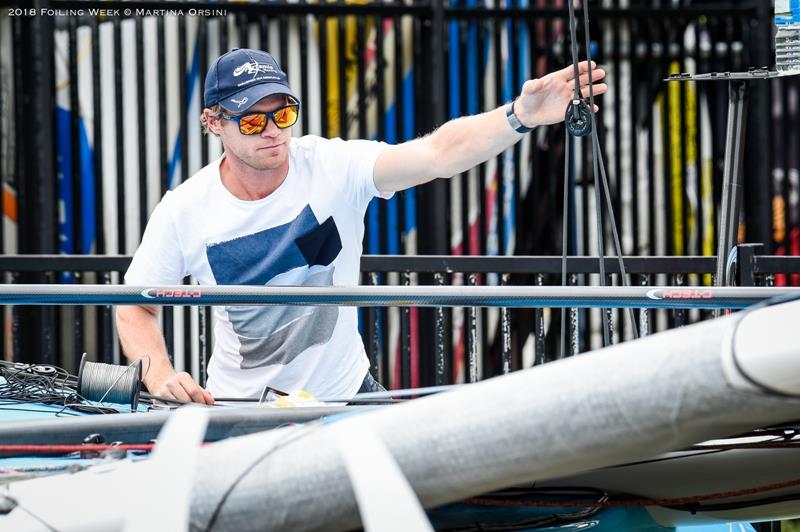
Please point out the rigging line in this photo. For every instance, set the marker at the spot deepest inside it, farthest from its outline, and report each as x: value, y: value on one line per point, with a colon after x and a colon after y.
x: 598, y: 155
x: 290, y: 438
x: 574, y: 115
x: 564, y: 241
x: 615, y: 233
x: 598, y: 209
x: 576, y: 97
x: 574, y: 37
x: 17, y: 504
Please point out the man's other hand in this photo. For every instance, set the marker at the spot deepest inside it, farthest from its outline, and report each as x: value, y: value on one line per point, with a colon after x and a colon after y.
x: 181, y: 386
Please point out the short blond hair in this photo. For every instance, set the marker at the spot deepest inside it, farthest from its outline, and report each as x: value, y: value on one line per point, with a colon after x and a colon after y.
x: 215, y: 109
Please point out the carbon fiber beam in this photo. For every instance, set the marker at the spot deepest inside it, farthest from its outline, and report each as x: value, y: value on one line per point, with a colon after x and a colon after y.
x: 399, y: 296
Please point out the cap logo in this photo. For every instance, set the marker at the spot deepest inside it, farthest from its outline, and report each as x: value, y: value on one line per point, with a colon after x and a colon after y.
x: 241, y: 102
x: 252, y: 67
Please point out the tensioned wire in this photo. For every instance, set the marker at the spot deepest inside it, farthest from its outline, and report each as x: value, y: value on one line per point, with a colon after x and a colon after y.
x: 599, y: 174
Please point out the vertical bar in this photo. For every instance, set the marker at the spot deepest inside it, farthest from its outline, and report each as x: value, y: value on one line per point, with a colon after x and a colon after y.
x: 36, y: 183
x: 16, y: 328
x: 341, y: 33
x: 436, y: 193
x: 652, y: 211
x: 745, y: 262
x: 49, y: 329
x: 283, y: 41
x: 374, y: 352
x: 644, y: 314
x: 122, y: 248
x: 405, y: 357
x: 759, y: 138
x: 163, y: 152
x: 472, y: 337
x: 499, y: 204
x: 142, y: 137
x: 75, y: 142
x: 241, y: 27
x: 633, y: 51
x: 439, y: 347
x: 205, y: 355
x: 100, y: 238
x: 398, y: 79
x: 574, y: 330
x: 539, y: 331
x: 224, y: 38
x: 680, y: 314
x: 669, y: 200
x: 168, y: 326
x: 78, y: 344
x: 71, y: 225
x: 683, y: 212
x: 518, y: 56
x: 263, y: 32
x: 505, y: 328
x: 421, y: 66
x: 187, y: 333
x: 615, y: 182
x: 202, y: 45
x: 106, y: 327
x: 323, y: 76
x: 183, y: 99
x: 380, y: 81
x: 732, y: 181
x: 203, y: 326
x: 361, y: 85
x: 610, y: 316
x: 304, y: 73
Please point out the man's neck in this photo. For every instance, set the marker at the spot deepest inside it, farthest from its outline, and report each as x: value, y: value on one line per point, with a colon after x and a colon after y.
x: 249, y: 184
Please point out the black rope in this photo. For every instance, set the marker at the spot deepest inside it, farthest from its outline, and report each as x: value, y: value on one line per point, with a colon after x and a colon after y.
x: 564, y: 228
x: 579, y: 122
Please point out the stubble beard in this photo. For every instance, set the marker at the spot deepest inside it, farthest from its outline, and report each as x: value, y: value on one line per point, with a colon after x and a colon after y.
x: 263, y: 163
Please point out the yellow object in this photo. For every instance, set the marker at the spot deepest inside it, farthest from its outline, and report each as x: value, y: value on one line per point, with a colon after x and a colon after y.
x: 295, y: 399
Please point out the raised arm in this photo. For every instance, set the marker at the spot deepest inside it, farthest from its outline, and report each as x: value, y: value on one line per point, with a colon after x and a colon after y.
x: 463, y: 143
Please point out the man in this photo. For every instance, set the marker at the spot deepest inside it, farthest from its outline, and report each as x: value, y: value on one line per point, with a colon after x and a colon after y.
x: 280, y: 210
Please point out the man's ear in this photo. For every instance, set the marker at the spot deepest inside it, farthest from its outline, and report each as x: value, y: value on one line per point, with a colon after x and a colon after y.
x: 214, y: 124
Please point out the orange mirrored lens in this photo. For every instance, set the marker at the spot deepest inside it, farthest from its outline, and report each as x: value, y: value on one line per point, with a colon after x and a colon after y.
x: 252, y: 124
x: 286, y: 117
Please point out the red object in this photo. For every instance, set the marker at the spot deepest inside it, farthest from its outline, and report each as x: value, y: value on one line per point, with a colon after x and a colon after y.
x: 66, y: 449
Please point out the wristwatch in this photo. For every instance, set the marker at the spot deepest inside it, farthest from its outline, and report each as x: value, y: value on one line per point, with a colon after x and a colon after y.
x: 514, y: 121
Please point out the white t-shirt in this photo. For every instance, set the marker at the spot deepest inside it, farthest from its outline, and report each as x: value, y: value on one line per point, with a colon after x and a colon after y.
x: 307, y: 232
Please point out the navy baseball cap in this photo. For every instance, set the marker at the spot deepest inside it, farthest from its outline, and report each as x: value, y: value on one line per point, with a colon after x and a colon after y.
x: 242, y: 77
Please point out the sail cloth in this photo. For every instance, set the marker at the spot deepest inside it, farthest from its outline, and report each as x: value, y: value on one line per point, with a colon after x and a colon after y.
x: 624, y: 403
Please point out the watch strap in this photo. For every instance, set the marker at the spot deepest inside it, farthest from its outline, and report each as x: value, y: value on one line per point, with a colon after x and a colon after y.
x: 514, y: 121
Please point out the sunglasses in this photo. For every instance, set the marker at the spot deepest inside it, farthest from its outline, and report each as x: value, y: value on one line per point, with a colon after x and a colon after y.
x: 255, y: 123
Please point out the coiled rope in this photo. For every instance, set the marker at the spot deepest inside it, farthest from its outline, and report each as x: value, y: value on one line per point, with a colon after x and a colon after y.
x: 110, y: 383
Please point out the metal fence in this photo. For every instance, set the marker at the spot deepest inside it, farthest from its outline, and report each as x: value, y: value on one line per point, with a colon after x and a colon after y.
x: 121, y: 93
